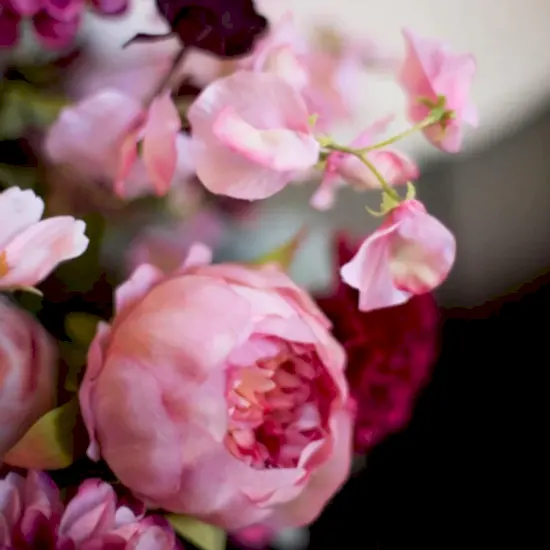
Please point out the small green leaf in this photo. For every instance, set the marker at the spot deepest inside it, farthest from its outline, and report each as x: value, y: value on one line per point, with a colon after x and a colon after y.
x: 284, y: 254
x: 81, y: 327
x: 202, y: 535
x: 48, y: 445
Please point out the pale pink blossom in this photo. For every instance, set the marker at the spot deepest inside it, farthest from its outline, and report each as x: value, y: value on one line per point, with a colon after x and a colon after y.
x: 341, y: 168
x: 32, y: 515
x: 252, y: 135
x: 28, y: 374
x: 411, y: 253
x: 100, y: 137
x: 219, y: 392
x: 30, y: 248
x: 430, y: 70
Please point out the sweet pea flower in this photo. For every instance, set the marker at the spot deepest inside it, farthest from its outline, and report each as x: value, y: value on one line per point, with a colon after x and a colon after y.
x: 55, y: 23
x: 219, y: 392
x: 32, y: 516
x: 28, y: 371
x: 100, y: 137
x: 252, y: 135
x: 30, y: 248
x: 395, y: 167
x: 430, y: 71
x: 411, y: 253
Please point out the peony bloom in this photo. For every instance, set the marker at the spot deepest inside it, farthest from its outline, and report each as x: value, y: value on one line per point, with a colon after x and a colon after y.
x: 431, y: 71
x: 411, y: 253
x: 30, y: 249
x: 252, y: 135
x: 390, y: 354
x: 219, y: 392
x: 340, y: 168
x: 226, y: 28
x: 55, y: 23
x: 32, y: 517
x: 100, y: 137
x: 28, y: 374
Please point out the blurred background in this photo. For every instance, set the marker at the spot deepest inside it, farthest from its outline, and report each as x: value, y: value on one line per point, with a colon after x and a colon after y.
x: 463, y: 474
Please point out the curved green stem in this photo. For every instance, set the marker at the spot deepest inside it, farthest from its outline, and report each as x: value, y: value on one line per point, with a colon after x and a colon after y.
x: 428, y: 121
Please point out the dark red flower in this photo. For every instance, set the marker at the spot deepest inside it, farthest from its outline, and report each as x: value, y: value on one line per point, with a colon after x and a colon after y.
x: 227, y: 28
x: 390, y: 354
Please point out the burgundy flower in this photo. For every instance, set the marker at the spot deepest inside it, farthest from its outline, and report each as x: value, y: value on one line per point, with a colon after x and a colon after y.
x: 55, y: 22
x: 390, y: 354
x: 226, y: 28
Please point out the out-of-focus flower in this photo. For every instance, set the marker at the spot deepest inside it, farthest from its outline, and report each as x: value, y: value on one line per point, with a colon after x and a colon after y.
x: 390, y: 353
x: 395, y: 167
x: 410, y: 253
x: 28, y: 374
x: 100, y: 137
x: 226, y: 379
x: 252, y: 135
x: 166, y: 247
x: 431, y: 71
x: 55, y: 23
x: 32, y: 517
x: 226, y: 28
x: 29, y: 248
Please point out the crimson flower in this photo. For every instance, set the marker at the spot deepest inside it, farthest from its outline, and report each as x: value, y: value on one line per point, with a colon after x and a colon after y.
x: 390, y: 354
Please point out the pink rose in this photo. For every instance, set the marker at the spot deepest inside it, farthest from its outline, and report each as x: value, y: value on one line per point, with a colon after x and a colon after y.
x: 28, y: 372
x: 341, y: 168
x: 219, y: 392
x: 99, y: 136
x: 411, y: 253
x: 431, y: 70
x: 30, y: 249
x: 252, y: 135
x: 32, y: 516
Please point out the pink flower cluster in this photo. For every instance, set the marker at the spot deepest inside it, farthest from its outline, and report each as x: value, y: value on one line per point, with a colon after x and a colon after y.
x: 32, y: 516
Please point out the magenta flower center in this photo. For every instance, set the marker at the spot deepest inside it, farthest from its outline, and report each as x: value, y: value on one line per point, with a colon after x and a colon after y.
x: 278, y: 406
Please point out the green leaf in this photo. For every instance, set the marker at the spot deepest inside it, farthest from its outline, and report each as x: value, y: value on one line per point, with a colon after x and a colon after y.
x: 81, y: 327
x: 283, y: 255
x: 202, y: 535
x: 49, y: 444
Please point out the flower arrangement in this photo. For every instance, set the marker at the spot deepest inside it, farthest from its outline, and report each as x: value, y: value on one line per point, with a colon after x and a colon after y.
x: 148, y: 394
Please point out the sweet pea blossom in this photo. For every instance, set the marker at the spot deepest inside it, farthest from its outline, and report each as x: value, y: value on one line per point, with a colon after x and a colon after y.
x: 100, y: 137
x: 411, y: 253
x: 28, y: 374
x: 32, y: 516
x: 252, y: 135
x: 430, y: 71
x: 395, y: 167
x: 219, y: 392
x: 31, y: 249
x: 55, y: 23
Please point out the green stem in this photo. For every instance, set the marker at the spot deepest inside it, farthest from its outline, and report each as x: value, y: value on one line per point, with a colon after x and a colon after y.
x: 428, y: 121
x: 358, y: 153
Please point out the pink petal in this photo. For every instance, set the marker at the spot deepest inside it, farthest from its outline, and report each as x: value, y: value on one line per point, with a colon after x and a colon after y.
x: 280, y: 149
x: 18, y: 210
x: 394, y: 166
x: 283, y: 62
x: 159, y: 142
x: 64, y: 10
x: 37, y: 251
x: 325, y: 195
x: 9, y: 28
x: 422, y: 252
x: 26, y: 8
x: 53, y: 33
x: 199, y: 254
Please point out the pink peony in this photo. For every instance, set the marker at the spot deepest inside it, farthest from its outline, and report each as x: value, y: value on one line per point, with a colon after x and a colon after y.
x: 28, y: 374
x: 100, y: 136
x: 430, y: 71
x: 219, y: 392
x: 29, y: 248
x: 395, y: 167
x: 252, y: 135
x: 32, y: 516
x: 411, y: 253
x: 55, y: 23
